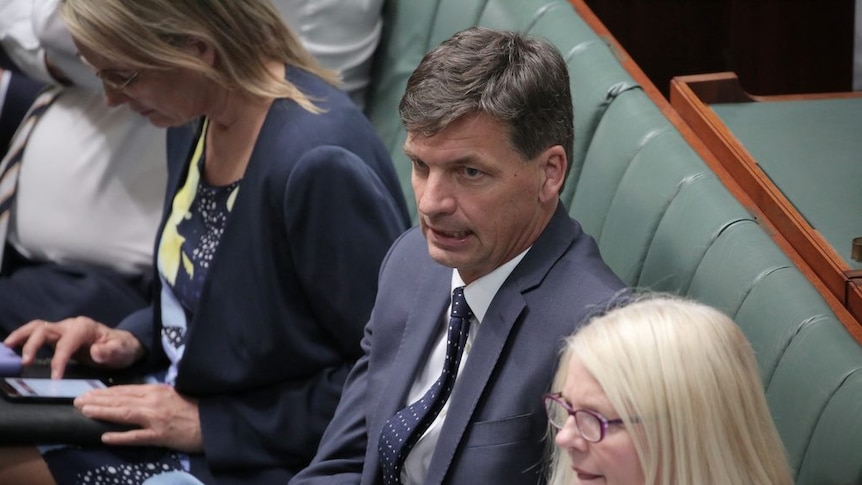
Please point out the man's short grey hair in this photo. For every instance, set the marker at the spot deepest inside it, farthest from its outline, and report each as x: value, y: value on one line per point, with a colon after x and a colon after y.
x: 517, y: 80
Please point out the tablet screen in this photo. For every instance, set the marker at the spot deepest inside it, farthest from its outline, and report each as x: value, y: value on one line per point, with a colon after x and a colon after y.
x: 51, y: 388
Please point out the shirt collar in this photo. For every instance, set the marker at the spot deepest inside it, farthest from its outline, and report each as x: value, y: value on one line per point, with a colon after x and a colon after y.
x: 480, y: 292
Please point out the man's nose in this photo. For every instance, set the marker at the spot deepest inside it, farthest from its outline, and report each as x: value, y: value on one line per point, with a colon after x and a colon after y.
x: 435, y: 194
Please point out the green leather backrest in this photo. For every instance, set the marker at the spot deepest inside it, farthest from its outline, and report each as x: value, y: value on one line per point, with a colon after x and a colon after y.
x: 595, y: 77
x: 749, y: 278
x: 815, y: 368
x: 739, y: 259
x: 637, y: 171
x: 694, y: 221
x: 664, y: 221
x: 628, y: 125
x: 832, y: 455
x: 771, y: 316
x: 411, y: 28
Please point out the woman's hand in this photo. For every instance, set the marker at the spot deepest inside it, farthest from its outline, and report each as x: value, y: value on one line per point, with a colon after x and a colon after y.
x: 163, y: 416
x: 84, y: 338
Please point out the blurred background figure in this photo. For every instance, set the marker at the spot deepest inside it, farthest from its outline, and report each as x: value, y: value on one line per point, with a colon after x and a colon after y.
x: 341, y: 34
x: 662, y: 391
x: 90, y: 186
x: 92, y: 179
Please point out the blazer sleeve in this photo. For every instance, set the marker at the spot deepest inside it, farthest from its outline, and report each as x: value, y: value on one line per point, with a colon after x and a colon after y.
x: 341, y: 456
x: 270, y: 427
x: 340, y: 221
x: 142, y: 325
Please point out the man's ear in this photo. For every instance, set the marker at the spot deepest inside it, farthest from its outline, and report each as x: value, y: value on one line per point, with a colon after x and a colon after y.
x: 553, y: 164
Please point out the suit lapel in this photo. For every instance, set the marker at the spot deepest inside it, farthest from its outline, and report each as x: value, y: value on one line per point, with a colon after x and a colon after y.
x: 420, y: 331
x: 505, y: 309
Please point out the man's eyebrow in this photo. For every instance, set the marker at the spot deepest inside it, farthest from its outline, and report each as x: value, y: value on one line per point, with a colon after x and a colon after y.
x: 469, y: 159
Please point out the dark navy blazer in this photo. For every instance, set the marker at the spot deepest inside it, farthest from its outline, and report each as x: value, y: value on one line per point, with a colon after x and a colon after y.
x: 496, y: 423
x: 290, y: 288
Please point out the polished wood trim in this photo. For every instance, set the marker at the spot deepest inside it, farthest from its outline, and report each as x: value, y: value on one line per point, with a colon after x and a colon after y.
x: 721, y: 87
x: 725, y: 87
x: 854, y: 302
x: 752, y: 203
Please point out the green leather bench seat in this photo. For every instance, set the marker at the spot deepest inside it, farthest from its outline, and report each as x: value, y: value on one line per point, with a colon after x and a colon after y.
x: 629, y: 177
x: 771, y: 317
x: 817, y: 366
x: 664, y: 221
x: 811, y: 150
x: 832, y: 454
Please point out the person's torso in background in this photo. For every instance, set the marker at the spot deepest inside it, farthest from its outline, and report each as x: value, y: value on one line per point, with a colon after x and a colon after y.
x: 341, y: 34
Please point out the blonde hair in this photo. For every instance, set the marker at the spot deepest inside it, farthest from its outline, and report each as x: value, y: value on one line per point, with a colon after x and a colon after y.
x: 684, y: 379
x: 153, y: 34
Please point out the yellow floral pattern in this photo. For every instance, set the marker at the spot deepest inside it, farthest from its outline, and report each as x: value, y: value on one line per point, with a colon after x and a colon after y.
x: 170, y: 246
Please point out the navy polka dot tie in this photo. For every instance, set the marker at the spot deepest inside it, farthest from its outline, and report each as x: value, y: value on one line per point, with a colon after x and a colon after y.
x: 403, y: 430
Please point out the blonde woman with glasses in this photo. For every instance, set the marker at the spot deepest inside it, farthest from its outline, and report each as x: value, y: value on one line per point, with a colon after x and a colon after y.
x: 662, y: 391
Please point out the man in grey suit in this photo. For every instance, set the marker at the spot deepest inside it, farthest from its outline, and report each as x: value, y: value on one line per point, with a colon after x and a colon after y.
x: 490, y: 132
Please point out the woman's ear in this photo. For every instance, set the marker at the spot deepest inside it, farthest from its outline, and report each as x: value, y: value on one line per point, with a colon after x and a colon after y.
x: 201, y: 49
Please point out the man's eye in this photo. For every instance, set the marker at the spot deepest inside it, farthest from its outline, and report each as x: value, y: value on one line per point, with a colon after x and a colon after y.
x: 472, y: 172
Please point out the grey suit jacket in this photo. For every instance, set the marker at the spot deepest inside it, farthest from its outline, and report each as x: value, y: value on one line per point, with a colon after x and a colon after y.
x: 495, y: 428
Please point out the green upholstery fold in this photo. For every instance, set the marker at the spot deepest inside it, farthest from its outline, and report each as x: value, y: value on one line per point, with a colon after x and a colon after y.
x: 816, y: 365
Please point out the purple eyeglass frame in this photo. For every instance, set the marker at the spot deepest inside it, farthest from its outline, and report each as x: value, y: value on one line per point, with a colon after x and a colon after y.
x: 558, y: 398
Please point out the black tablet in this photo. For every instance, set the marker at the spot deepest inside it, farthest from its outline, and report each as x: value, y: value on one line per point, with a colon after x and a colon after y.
x: 31, y: 389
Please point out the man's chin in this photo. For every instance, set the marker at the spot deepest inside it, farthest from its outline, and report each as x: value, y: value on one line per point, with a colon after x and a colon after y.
x: 442, y: 256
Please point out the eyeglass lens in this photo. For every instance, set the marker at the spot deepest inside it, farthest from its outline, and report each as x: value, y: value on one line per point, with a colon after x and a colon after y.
x: 557, y: 414
x: 115, y: 79
x: 589, y: 426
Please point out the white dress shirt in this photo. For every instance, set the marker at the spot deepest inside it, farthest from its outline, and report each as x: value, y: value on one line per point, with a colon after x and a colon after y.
x: 479, y: 295
x: 92, y: 178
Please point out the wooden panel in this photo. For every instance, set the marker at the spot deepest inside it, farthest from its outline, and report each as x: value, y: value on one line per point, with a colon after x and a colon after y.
x: 670, y: 37
x: 775, y: 46
x: 854, y: 303
x: 798, y: 46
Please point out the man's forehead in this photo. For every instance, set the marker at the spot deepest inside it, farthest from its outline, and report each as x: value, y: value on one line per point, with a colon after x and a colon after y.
x: 471, y: 128
x: 439, y: 147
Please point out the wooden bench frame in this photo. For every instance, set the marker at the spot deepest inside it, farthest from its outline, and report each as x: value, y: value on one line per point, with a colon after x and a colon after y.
x: 691, y: 97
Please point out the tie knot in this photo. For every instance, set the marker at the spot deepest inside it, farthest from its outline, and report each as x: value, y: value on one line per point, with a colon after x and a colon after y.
x: 460, y: 308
